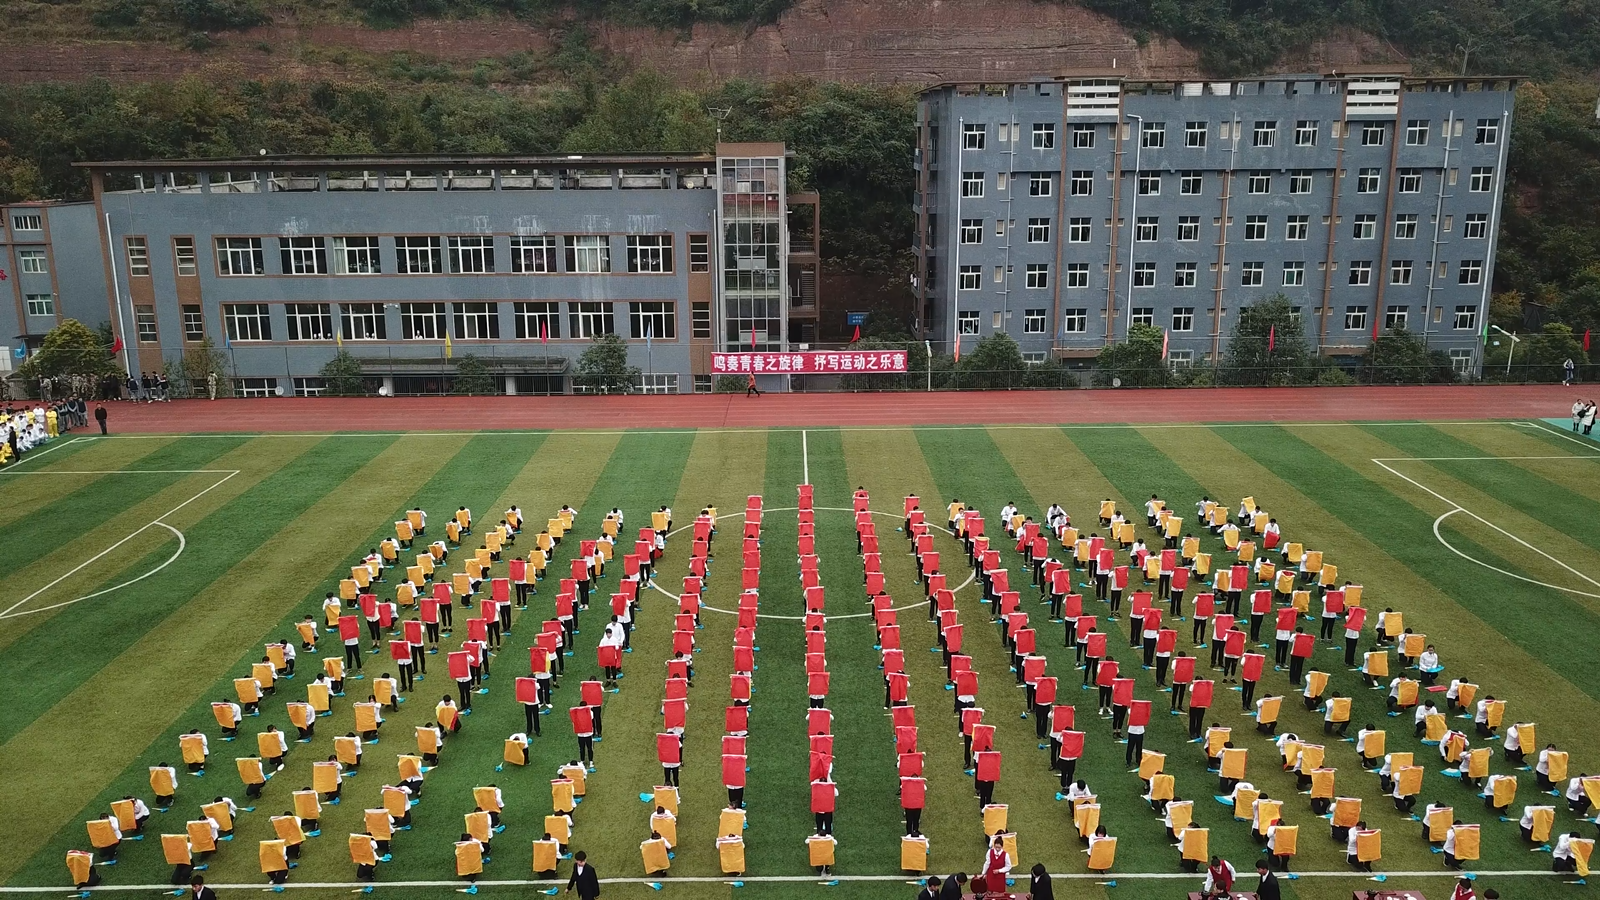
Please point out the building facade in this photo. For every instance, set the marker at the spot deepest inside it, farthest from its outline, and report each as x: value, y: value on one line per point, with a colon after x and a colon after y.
x: 412, y: 263
x: 1063, y: 210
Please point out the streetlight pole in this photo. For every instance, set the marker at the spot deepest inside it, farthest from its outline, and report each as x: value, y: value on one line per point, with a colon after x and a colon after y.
x: 1133, y: 212
x: 1513, y: 351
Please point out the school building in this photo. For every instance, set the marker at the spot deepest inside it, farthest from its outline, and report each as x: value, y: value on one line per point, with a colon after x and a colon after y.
x: 412, y: 262
x: 1062, y: 210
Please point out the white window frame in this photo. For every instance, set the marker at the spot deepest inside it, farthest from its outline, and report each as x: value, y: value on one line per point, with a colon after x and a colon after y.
x: 1149, y: 184
x: 967, y: 322
x: 535, y: 254
x: 1080, y: 230
x: 1369, y: 180
x: 1294, y: 274
x: 186, y: 262
x: 969, y: 278
x: 1365, y: 227
x: 1255, y: 228
x: 1082, y: 183
x: 1075, y: 320
x: 974, y: 135
x: 363, y: 322
x: 357, y: 255
x: 1355, y: 318
x: 239, y: 258
x: 1252, y: 274
x: 1037, y: 276
x: 476, y: 321
x: 36, y: 262
x: 302, y: 256
x: 258, y: 387
x: 1301, y: 181
x: 419, y: 255
x: 39, y: 304
x: 1044, y: 135
x: 1405, y: 226
x: 588, y: 254
x: 1259, y: 183
x: 1188, y: 228
x: 661, y: 315
x: 1194, y: 134
x: 1296, y: 228
x: 1475, y: 226
x: 1039, y: 184
x: 1185, y: 274
x: 1077, y: 275
x: 972, y: 185
x: 1144, y: 274
x: 1147, y: 229
x: 1142, y: 315
x: 1191, y: 183
x: 1182, y: 318
x: 650, y: 254
x: 1265, y: 133
x: 1083, y: 137
x: 1469, y: 271
x: 247, y: 322
x: 471, y: 254
x: 1039, y: 231
x: 27, y: 222
x: 971, y: 232
x: 1396, y: 316
x: 590, y: 319
x: 1400, y: 271
x: 1487, y: 133
x: 1360, y: 273
x: 1408, y: 181
x: 529, y: 314
x: 1035, y: 320
x: 1373, y: 134
x: 1153, y: 135
x: 308, y: 321
x: 1482, y: 180
x: 1417, y: 132
x: 1466, y: 318
x: 423, y: 322
x: 1305, y: 132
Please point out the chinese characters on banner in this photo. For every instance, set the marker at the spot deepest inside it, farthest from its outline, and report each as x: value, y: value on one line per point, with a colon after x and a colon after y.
x: 818, y: 362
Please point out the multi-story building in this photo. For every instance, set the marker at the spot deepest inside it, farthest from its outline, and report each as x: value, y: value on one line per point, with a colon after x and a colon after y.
x: 411, y: 263
x: 1063, y: 210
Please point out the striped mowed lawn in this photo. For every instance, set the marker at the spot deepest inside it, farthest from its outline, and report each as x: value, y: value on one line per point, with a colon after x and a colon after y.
x: 98, y: 691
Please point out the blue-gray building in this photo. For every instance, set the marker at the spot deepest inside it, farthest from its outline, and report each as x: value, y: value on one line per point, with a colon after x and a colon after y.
x: 411, y: 263
x: 1061, y: 210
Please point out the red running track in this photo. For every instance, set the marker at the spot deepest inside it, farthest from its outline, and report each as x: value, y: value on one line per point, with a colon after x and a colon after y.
x: 1322, y: 404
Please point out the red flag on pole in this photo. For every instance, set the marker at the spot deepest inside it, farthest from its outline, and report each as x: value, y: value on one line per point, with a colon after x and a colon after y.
x: 1272, y: 337
x: 544, y: 332
x: 958, y: 349
x: 1586, y: 340
x: 752, y: 337
x: 116, y: 345
x: 1375, y: 326
x: 1165, y: 337
x: 857, y: 336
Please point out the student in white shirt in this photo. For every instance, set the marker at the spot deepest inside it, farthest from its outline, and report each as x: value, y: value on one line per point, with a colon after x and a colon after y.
x: 1561, y: 856
x: 1577, y: 797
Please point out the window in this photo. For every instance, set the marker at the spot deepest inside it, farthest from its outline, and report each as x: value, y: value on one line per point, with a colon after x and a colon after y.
x: 542, y: 321
x: 1183, y: 275
x: 588, y: 254
x: 418, y: 256
x: 362, y: 322
x: 1082, y: 183
x: 1408, y: 181
x: 235, y: 256
x: 1266, y: 133
x: 1150, y: 184
x: 656, y: 319
x: 1033, y: 320
x: 1194, y: 135
x: 1488, y: 132
x: 1188, y: 228
x: 1355, y: 318
x: 1449, y: 223
x: 258, y: 387
x: 1366, y: 227
x: 1367, y: 181
x: 1417, y: 133
x: 972, y: 136
x: 656, y: 383
x: 27, y: 222
x: 194, y: 322
x: 183, y: 256
x: 303, y: 256
x: 970, y: 278
x: 1180, y: 359
x: 477, y: 321
x: 1482, y: 179
x: 1260, y: 183
x: 700, y: 320
x: 1077, y: 275
x: 971, y: 231
x: 1255, y: 228
x: 1405, y: 226
x: 1183, y: 318
x: 1078, y: 230
x: 967, y: 321
x: 1400, y: 271
x: 1300, y: 182
x: 1253, y: 274
x: 536, y: 255
x: 309, y: 387
x: 1361, y: 272
x: 972, y: 184
x: 1395, y: 316
x: 247, y: 321
x: 1305, y: 133
x: 144, y: 323
x: 1083, y: 137
x: 591, y: 319
x: 702, y: 384
x: 699, y: 253
x: 1466, y: 318
x: 40, y: 304
x: 1144, y: 274
x: 1476, y: 226
x: 1372, y: 134
x: 1075, y: 320
x: 33, y: 261
x: 1148, y: 228
x: 1190, y: 183
x: 1296, y: 227
x: 1294, y: 274
x: 1044, y: 136
x: 1461, y: 359
x: 422, y: 321
x: 1038, y: 275
x: 356, y: 256
x: 1153, y: 135
x: 472, y: 255
x: 1470, y: 272
x: 1038, y: 231
x: 309, y: 321
x: 1142, y: 315
x: 1039, y: 184
x: 651, y: 253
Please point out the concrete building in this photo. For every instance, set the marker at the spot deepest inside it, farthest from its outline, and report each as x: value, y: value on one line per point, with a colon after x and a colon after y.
x: 1061, y: 210
x: 411, y: 263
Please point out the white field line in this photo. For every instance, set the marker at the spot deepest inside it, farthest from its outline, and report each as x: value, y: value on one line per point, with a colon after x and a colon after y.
x: 10, y: 612
x: 33, y: 456
x: 1458, y: 508
x: 1545, y: 426
x: 740, y: 515
x: 805, y: 459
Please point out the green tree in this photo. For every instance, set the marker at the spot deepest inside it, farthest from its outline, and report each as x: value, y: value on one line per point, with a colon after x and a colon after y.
x: 1135, y: 362
x: 1548, y: 352
x: 603, y: 368
x: 473, y: 377
x: 70, y: 349
x: 1400, y: 357
x: 1269, y: 346
x: 341, y: 376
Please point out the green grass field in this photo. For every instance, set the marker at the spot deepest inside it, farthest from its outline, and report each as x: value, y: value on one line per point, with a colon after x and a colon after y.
x: 97, y: 691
